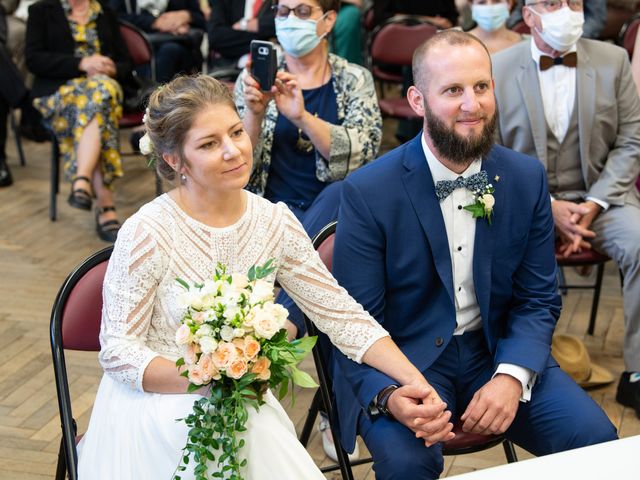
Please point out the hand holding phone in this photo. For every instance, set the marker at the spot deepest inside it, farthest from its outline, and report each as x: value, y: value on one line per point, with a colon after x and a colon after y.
x: 263, y: 64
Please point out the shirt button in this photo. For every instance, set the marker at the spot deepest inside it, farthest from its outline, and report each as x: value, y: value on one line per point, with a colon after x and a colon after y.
x: 439, y: 341
x: 459, y: 289
x: 459, y: 207
x: 459, y: 248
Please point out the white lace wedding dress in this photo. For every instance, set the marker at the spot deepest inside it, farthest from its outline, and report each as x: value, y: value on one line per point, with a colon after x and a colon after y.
x: 133, y: 434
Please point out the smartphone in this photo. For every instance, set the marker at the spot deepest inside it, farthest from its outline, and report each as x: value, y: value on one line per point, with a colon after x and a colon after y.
x: 263, y: 63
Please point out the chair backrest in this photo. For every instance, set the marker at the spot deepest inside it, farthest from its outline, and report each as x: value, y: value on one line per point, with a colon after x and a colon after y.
x: 521, y: 28
x: 323, y: 243
x: 628, y: 33
x: 75, y: 325
x: 402, y: 30
x: 138, y: 45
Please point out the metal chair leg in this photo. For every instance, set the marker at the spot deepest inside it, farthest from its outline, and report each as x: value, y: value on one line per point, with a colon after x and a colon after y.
x: 562, y: 281
x: 16, y: 137
x: 314, y: 408
x: 596, y: 297
x: 55, y: 178
x: 509, y: 451
x: 61, y: 469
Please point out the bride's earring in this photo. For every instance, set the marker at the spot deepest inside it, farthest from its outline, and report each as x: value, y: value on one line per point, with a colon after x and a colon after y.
x: 183, y: 178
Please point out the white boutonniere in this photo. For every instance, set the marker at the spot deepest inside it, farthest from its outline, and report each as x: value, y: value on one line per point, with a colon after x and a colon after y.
x: 484, y: 202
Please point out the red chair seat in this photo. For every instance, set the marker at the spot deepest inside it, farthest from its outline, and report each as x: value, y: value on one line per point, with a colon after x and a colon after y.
x: 130, y: 120
x: 467, y: 441
x: 397, y: 108
x: 585, y: 257
x: 386, y: 76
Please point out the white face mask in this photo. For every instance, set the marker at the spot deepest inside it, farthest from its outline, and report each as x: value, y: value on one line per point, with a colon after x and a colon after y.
x: 560, y: 29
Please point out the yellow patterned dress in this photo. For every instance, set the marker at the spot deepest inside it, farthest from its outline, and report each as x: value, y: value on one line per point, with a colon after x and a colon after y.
x: 69, y: 110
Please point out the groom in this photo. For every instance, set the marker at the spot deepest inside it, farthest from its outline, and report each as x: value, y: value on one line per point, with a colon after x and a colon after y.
x: 448, y: 242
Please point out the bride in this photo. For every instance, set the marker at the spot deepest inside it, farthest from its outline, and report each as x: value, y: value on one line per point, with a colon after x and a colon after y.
x: 199, y: 141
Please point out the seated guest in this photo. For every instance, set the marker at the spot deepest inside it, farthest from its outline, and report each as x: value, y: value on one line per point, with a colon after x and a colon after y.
x: 16, y: 19
x: 75, y: 51
x: 13, y: 94
x: 595, y: 16
x: 572, y: 103
x: 11, y: 88
x: 175, y: 29
x: 320, y: 121
x: 232, y: 26
x: 441, y: 13
x: 347, y: 32
x: 468, y: 294
x: 490, y: 17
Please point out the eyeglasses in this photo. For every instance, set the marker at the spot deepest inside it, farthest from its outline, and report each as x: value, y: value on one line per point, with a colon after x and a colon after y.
x: 301, y: 11
x: 553, y: 5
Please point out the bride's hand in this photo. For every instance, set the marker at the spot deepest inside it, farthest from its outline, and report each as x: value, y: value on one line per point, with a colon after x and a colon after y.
x: 437, y: 428
x: 292, y: 330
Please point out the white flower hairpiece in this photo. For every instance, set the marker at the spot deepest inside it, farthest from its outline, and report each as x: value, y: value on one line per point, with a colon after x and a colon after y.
x: 145, y: 144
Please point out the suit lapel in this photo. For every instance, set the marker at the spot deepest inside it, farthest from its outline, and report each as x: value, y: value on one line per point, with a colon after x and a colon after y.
x: 418, y: 184
x: 484, y: 239
x: 586, y: 101
x: 529, y: 85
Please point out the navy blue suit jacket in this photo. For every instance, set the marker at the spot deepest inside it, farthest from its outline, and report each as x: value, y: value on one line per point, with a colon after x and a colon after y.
x: 392, y: 255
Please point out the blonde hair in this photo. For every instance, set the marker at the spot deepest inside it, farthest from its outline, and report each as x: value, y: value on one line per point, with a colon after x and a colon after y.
x: 171, y: 111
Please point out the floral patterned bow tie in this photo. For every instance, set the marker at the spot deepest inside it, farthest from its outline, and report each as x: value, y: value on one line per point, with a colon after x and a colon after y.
x: 476, y: 182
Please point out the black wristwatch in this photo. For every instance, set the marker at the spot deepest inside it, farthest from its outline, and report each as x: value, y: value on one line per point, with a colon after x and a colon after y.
x: 379, y: 404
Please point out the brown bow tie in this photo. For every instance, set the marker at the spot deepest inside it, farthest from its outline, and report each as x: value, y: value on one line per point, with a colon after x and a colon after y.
x: 569, y: 60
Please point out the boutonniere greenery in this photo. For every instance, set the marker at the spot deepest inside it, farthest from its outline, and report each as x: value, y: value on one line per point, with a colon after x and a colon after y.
x: 482, y: 207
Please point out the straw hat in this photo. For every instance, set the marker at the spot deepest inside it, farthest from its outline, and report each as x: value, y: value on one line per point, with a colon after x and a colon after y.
x: 572, y: 356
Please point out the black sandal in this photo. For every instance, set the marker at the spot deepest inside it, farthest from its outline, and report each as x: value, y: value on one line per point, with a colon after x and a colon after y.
x: 107, y: 231
x: 79, y: 197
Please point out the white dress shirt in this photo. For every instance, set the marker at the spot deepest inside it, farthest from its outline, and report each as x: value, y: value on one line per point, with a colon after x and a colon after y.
x: 248, y: 9
x: 558, y: 92
x: 461, y: 230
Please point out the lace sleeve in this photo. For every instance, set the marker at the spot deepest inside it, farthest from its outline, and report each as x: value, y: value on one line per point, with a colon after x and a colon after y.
x: 129, y: 294
x: 306, y: 279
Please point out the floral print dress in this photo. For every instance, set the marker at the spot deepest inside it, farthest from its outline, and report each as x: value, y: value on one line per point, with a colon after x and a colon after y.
x: 76, y: 103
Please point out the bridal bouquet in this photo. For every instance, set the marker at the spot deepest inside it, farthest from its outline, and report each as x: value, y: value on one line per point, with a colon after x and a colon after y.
x: 233, y: 340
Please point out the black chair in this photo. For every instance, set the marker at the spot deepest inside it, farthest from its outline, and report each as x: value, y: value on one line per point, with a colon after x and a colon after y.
x: 75, y: 325
x: 586, y: 258
x: 386, y: 60
x: 323, y: 399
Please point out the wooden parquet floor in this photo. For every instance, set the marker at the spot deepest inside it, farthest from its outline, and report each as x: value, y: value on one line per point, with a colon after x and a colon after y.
x: 35, y: 257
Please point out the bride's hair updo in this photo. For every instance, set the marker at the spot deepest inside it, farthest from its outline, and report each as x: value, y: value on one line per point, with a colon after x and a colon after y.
x: 171, y: 111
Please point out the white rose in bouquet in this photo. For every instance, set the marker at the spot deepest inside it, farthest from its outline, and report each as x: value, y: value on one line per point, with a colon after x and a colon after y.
x: 208, y: 344
x: 261, y: 292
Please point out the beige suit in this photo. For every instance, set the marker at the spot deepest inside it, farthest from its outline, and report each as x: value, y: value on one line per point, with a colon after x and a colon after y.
x: 609, y: 146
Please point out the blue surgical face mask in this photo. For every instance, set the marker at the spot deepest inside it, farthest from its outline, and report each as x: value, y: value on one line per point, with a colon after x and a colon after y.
x: 297, y: 37
x: 490, y: 17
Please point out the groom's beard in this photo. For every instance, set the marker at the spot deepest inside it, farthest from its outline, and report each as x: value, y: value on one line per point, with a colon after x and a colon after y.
x: 453, y: 146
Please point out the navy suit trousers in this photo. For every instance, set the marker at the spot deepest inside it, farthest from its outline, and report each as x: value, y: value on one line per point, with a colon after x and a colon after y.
x: 560, y: 415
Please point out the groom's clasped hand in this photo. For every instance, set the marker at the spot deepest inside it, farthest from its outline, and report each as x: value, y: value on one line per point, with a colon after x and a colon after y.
x: 420, y: 408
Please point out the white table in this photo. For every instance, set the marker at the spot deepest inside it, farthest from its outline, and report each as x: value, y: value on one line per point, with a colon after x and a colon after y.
x: 615, y: 460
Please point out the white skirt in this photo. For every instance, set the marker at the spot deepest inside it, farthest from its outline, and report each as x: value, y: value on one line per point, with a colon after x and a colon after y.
x: 134, y: 435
